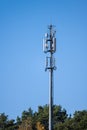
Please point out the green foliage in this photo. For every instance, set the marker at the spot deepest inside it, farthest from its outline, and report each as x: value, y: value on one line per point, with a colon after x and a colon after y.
x: 39, y: 120
x: 26, y: 114
x: 43, y: 115
x: 80, y: 120
x: 3, y: 121
x: 6, y: 124
x: 18, y: 120
x: 59, y: 114
x: 77, y: 122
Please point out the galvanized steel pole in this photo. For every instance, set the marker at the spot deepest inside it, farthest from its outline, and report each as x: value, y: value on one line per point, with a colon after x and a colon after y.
x: 49, y: 45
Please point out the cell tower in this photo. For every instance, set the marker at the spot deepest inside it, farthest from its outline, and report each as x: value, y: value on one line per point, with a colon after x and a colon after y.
x: 49, y: 47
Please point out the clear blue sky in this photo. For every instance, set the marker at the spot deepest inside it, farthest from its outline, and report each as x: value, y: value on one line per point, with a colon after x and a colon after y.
x: 23, y: 81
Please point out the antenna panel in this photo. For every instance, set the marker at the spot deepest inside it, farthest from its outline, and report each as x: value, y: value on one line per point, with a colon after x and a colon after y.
x: 54, y: 45
x: 45, y: 45
x: 46, y: 35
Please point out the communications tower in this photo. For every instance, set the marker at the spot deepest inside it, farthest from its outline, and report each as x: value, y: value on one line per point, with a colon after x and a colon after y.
x: 49, y: 47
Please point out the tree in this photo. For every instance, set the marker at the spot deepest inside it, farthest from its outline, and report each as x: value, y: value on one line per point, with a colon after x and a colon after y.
x: 25, y: 122
x: 40, y: 120
x: 39, y: 126
x: 80, y: 120
x: 59, y: 114
x: 3, y: 121
x: 6, y: 124
x: 77, y: 122
x: 43, y: 115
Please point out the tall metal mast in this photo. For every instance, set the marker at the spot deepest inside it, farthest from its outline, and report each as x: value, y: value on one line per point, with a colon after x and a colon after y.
x: 49, y: 47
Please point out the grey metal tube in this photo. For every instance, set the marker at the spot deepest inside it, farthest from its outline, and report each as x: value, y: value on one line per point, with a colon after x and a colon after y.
x: 51, y: 99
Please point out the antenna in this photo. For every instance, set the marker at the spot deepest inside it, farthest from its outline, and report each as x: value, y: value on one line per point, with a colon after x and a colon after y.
x: 49, y: 47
